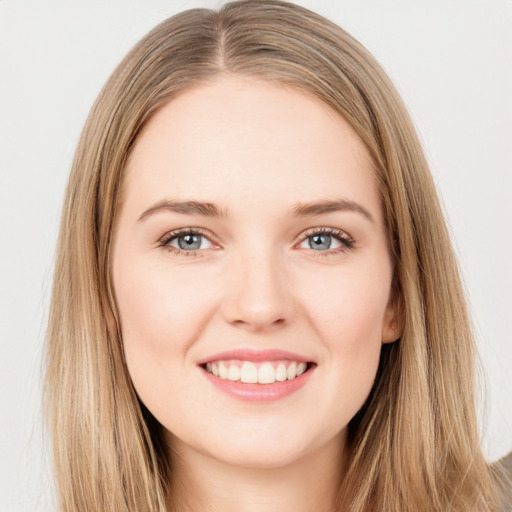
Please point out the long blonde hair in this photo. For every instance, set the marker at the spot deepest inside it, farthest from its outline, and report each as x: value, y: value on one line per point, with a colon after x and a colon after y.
x: 414, y: 445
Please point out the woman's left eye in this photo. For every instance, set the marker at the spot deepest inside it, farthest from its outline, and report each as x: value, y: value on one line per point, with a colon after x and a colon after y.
x: 327, y: 240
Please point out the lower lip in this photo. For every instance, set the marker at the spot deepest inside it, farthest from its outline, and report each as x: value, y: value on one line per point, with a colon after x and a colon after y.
x: 259, y: 392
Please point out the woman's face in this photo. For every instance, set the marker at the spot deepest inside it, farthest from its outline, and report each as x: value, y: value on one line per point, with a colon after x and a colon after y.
x: 251, y: 240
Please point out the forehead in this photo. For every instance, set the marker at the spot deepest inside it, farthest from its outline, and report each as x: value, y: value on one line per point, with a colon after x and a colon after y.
x: 238, y: 140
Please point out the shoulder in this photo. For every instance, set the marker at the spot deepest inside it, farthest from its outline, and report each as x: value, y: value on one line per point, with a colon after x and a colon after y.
x: 504, y: 467
x: 506, y: 463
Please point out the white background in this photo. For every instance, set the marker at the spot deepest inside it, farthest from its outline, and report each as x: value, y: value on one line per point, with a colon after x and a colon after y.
x: 450, y: 59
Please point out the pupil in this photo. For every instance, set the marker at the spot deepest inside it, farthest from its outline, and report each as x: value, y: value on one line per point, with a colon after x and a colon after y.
x: 320, y: 241
x: 189, y: 242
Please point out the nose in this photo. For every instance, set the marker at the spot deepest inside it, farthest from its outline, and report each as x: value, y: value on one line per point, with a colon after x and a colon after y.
x: 259, y: 297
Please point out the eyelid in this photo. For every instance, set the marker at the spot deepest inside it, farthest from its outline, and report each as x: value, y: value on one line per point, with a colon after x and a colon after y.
x: 339, y: 234
x: 323, y: 229
x: 170, y: 235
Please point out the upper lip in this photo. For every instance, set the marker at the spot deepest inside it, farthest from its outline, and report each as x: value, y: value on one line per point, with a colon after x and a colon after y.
x: 247, y: 354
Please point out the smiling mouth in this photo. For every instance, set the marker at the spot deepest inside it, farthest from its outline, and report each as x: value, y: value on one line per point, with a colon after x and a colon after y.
x: 264, y: 372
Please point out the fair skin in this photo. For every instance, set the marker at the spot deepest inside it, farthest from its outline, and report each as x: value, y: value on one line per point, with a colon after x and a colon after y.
x: 257, y: 278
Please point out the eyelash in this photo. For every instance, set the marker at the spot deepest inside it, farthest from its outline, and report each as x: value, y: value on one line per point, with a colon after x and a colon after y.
x: 346, y: 241
x: 164, y: 241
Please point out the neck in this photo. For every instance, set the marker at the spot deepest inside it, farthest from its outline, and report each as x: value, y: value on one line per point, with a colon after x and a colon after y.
x: 201, y: 483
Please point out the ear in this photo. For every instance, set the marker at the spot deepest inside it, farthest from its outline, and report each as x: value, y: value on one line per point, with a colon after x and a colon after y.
x: 111, y: 319
x: 110, y: 313
x: 393, y: 322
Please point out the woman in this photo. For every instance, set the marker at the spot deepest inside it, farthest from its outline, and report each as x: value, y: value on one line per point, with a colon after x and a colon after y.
x: 256, y: 305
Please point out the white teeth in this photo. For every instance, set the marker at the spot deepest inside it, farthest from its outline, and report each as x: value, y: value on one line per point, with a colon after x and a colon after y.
x: 281, y: 373
x: 263, y: 373
x: 291, y: 373
x: 223, y: 371
x: 266, y: 374
x: 249, y: 373
x: 234, y: 372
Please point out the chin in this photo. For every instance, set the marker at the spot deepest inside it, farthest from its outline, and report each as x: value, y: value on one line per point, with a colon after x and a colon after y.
x: 258, y: 456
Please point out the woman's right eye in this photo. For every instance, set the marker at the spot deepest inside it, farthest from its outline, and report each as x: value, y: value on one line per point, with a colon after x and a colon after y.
x: 186, y: 242
x: 190, y: 242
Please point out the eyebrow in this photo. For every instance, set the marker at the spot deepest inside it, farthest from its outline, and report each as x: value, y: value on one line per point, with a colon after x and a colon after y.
x: 300, y: 209
x: 185, y: 208
x: 330, y: 206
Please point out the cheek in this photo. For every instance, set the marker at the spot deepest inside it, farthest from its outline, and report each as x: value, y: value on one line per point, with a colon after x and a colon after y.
x: 349, y: 306
x: 348, y: 314
x: 161, y: 314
